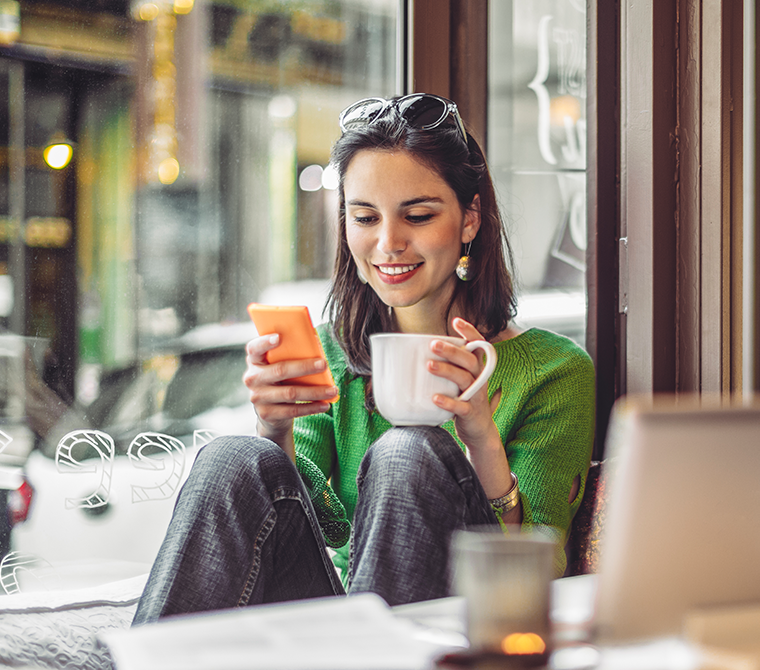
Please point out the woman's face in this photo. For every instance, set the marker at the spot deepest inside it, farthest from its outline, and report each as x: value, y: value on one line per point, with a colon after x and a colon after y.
x: 405, y: 229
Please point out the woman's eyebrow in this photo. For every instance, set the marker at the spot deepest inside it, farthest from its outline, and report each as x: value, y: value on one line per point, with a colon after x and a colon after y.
x: 405, y: 203
x: 421, y: 199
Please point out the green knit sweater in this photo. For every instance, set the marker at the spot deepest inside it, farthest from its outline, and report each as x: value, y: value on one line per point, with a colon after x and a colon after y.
x: 545, y: 417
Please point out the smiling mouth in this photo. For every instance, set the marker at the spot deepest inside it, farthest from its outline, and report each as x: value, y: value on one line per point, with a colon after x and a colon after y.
x: 396, y: 270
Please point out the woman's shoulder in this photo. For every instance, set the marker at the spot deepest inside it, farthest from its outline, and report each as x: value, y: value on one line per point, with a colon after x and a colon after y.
x: 546, y: 350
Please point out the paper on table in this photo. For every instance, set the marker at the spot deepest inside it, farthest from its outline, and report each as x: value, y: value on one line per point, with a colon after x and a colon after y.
x: 341, y: 633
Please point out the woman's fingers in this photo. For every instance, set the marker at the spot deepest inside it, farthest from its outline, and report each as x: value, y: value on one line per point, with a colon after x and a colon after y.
x: 276, y: 401
x: 460, y: 365
x: 257, y: 348
x: 474, y: 420
x: 276, y: 413
x: 290, y: 393
x: 283, y: 371
x: 460, y: 372
x: 260, y: 371
x: 466, y: 329
x: 461, y: 408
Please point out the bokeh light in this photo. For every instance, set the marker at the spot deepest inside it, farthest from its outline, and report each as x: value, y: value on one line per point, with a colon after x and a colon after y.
x: 168, y: 171
x: 58, y: 155
x: 330, y: 178
x: 147, y: 11
x: 282, y: 107
x: 310, y: 178
x: 183, y: 6
x: 522, y: 644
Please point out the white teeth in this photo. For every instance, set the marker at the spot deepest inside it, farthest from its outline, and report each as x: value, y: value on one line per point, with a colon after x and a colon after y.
x: 398, y: 270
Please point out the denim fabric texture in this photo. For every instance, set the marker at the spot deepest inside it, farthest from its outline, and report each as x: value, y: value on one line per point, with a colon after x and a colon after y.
x: 244, y: 530
x: 416, y: 487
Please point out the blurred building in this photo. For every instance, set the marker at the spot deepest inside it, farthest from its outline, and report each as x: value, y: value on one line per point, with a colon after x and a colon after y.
x: 190, y: 123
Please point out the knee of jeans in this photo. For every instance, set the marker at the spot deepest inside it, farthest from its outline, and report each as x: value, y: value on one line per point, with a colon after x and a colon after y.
x: 409, y: 450
x: 229, y: 456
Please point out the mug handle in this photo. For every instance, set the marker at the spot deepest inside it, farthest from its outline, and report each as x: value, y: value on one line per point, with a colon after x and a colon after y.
x: 485, y: 373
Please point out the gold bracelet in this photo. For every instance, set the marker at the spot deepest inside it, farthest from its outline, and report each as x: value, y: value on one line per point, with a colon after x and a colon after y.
x: 509, y: 500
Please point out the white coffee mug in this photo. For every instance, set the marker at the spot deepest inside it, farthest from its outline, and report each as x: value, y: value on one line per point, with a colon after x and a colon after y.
x: 402, y: 385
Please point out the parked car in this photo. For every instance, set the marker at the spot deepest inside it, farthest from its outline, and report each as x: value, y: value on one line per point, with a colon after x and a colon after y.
x: 20, y: 357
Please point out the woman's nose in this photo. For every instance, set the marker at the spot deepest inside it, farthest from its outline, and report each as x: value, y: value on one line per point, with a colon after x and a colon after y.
x: 391, y: 238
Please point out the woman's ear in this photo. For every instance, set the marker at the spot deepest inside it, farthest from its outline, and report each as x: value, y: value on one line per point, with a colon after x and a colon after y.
x: 471, y: 221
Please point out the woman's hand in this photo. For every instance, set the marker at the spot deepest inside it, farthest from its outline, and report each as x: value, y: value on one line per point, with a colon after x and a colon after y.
x: 473, y: 418
x: 276, y: 402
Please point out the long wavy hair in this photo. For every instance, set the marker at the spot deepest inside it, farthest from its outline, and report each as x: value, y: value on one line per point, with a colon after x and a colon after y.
x: 487, y: 300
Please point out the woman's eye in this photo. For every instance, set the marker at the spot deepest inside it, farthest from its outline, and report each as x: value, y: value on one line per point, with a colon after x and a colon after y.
x: 419, y: 218
x: 364, y: 220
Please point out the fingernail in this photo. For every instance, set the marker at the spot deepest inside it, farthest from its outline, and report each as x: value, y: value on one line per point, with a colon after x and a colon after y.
x: 320, y: 364
x: 274, y: 339
x: 332, y: 391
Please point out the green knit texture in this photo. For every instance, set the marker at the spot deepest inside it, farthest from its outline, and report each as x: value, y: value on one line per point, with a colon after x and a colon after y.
x: 545, y: 417
x: 331, y: 514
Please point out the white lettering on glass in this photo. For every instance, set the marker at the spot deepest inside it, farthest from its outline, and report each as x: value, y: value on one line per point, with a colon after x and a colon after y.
x: 13, y: 564
x: 70, y: 450
x: 202, y: 437
x: 145, y: 454
x: 538, y: 86
x: 5, y: 440
x: 155, y: 452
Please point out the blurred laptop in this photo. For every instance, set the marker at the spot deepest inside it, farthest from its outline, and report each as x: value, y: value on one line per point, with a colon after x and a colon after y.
x: 682, y: 531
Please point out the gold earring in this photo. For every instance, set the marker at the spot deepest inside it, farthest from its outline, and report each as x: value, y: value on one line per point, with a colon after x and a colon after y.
x: 463, y: 267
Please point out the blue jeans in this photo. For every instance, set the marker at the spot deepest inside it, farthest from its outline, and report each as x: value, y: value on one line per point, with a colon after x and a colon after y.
x: 244, y: 530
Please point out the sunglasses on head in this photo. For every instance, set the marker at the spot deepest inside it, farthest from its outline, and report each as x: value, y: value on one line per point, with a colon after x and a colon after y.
x: 423, y: 111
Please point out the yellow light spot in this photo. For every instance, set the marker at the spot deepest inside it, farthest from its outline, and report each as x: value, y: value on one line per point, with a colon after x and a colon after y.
x: 562, y: 106
x: 148, y: 11
x: 168, y: 171
x: 523, y: 643
x: 57, y: 156
x: 183, y: 6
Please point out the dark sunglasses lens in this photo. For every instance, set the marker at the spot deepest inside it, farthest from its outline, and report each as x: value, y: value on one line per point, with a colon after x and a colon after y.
x: 361, y: 113
x: 422, y: 111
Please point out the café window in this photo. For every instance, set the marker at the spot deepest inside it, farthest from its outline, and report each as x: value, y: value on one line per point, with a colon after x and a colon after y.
x: 197, y: 182
x: 537, y: 153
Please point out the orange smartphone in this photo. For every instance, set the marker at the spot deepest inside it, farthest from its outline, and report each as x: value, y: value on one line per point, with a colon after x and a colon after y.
x: 298, y: 338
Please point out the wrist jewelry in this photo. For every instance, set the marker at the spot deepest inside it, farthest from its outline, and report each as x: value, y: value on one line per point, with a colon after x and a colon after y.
x: 509, y: 500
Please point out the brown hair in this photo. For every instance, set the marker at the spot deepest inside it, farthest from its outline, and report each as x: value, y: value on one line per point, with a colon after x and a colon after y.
x: 354, y: 309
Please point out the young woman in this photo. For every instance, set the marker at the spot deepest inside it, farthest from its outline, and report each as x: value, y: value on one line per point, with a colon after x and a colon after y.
x: 253, y: 522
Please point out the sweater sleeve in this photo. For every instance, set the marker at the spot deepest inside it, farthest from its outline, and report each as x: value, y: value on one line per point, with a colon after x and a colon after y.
x: 552, y: 437
x: 315, y: 456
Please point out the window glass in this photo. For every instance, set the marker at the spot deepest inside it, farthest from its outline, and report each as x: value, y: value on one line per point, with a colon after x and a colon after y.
x: 537, y: 151
x: 201, y: 134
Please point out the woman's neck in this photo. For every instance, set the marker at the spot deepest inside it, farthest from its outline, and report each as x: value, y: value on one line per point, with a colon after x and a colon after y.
x: 431, y: 322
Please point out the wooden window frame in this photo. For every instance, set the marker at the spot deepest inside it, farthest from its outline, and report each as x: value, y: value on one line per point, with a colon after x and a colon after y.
x: 447, y: 54
x: 681, y: 195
